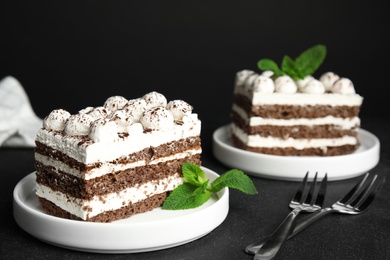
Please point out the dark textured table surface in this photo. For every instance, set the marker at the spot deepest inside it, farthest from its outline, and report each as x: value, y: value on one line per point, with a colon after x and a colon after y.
x: 336, y: 236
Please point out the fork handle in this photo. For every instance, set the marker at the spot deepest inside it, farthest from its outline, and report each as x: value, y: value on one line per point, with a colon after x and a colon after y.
x: 300, y: 224
x: 307, y: 220
x: 275, y: 241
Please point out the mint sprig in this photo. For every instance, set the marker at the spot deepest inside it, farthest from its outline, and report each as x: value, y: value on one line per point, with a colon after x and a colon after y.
x: 196, y: 190
x: 304, y: 65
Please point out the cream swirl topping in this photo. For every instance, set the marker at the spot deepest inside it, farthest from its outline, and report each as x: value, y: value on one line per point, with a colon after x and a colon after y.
x: 78, y: 124
x: 343, y: 86
x: 155, y: 99
x: 98, y: 113
x: 151, y: 112
x: 314, y: 86
x: 114, y: 103
x: 328, y: 79
x: 242, y: 75
x: 285, y: 84
x: 179, y: 108
x: 263, y: 84
x: 56, y: 120
x: 103, y: 130
x: 123, y: 120
x: 157, y: 118
x: 135, y: 108
x: 329, y: 82
x: 301, y: 83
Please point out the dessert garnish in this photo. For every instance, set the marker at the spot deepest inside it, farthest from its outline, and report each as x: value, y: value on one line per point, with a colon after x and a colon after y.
x: 304, y: 65
x: 197, y: 189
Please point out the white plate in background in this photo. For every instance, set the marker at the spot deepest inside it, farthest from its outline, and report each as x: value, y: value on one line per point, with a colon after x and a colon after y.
x: 294, y: 168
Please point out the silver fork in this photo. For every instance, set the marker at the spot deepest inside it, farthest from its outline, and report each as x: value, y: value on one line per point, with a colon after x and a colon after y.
x: 303, y: 201
x: 356, y: 201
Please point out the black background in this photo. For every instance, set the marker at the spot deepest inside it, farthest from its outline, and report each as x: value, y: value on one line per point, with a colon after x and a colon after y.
x: 73, y: 54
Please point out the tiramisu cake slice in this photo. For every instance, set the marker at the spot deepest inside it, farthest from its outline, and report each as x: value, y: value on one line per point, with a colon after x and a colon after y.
x: 107, y: 163
x: 279, y: 114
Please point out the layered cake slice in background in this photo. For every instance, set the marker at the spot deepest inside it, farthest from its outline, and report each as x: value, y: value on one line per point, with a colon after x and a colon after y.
x: 287, y: 111
x: 110, y: 162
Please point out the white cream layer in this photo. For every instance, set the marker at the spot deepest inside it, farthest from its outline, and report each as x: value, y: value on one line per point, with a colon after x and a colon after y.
x: 108, y: 151
x: 112, y: 201
x: 342, y: 123
x: 299, y: 144
x: 331, y: 99
x: 108, y: 167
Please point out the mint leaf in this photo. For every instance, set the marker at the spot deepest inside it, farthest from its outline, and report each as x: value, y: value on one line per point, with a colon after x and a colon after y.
x: 235, y: 179
x: 193, y: 174
x: 289, y: 66
x: 187, y: 196
x: 195, y: 190
x: 310, y: 60
x: 304, y: 65
x: 267, y: 64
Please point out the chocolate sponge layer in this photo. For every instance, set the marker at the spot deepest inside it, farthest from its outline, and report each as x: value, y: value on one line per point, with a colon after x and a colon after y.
x: 108, y: 216
x: 112, y: 182
x: 294, y: 111
x: 291, y: 151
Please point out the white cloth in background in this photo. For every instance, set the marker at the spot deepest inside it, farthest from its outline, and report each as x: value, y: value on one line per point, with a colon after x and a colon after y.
x: 18, y: 122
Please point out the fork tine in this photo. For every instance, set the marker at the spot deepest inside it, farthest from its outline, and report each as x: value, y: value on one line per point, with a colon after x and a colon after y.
x: 310, y: 196
x: 298, y: 197
x: 351, y: 195
x: 371, y: 196
x: 322, y: 191
x: 362, y: 196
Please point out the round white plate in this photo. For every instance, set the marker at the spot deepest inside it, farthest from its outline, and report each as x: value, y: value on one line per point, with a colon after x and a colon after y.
x: 294, y: 168
x: 153, y: 230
